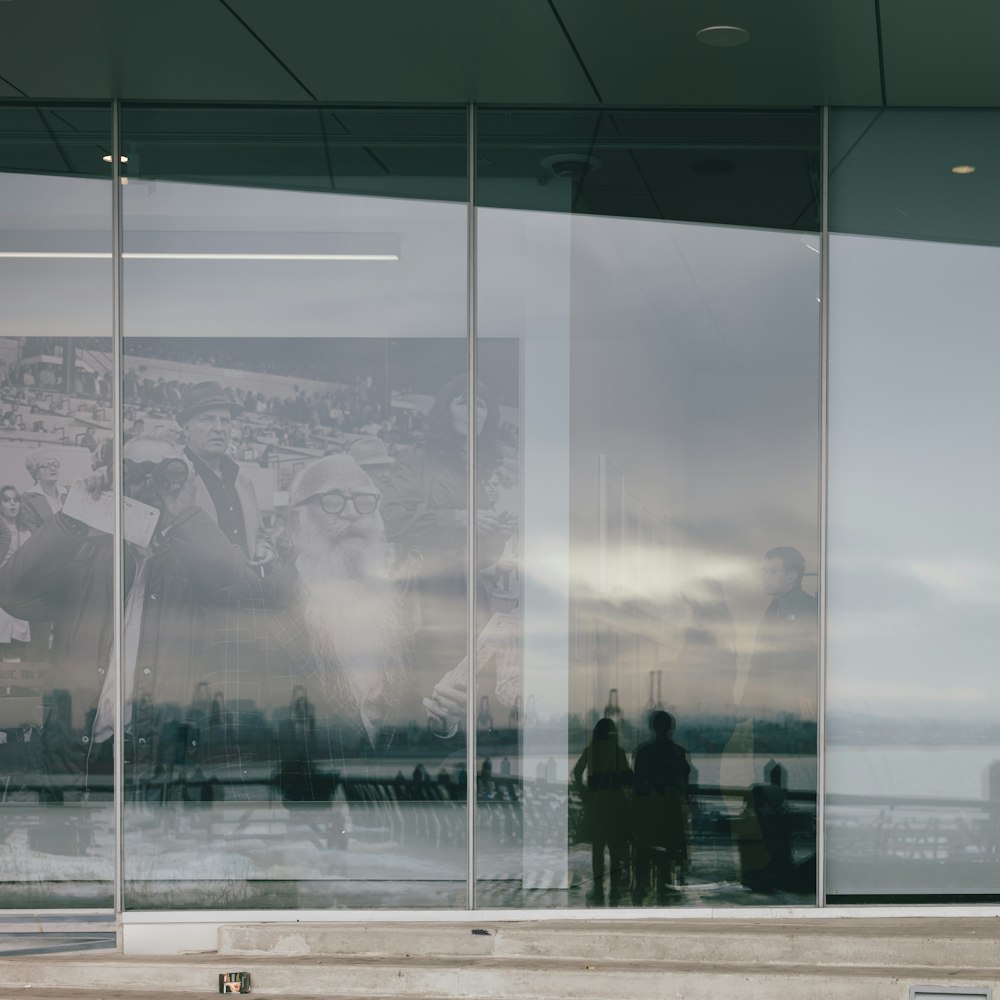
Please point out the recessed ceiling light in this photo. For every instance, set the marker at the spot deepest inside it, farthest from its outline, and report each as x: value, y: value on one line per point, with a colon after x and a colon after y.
x: 723, y: 36
x: 107, y: 158
x: 572, y: 166
x: 963, y: 168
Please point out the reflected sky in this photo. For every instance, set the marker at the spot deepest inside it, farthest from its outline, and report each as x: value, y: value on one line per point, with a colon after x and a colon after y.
x: 693, y: 353
x: 913, y: 579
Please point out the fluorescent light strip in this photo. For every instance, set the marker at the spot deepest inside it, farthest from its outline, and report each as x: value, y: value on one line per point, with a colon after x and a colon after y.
x: 63, y: 255
x: 67, y: 255
x: 260, y: 256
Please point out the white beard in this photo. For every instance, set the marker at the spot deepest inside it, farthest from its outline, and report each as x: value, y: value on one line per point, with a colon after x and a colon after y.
x: 351, y: 612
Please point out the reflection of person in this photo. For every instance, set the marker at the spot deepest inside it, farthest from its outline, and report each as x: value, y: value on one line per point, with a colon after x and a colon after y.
x: 606, y: 806
x: 221, y: 489
x: 766, y: 860
x: 426, y: 515
x: 45, y: 496
x: 661, y: 778
x: 12, y: 537
x: 782, y: 677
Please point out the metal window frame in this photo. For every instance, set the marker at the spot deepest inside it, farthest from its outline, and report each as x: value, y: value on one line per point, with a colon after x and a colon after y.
x: 824, y: 437
x: 471, y: 601
x: 472, y: 781
x: 119, y: 549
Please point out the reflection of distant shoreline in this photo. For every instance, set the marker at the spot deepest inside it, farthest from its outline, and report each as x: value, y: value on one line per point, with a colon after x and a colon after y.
x: 939, y: 772
x: 914, y: 730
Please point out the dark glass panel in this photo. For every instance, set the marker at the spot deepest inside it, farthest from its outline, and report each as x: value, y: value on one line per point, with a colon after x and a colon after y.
x: 377, y: 152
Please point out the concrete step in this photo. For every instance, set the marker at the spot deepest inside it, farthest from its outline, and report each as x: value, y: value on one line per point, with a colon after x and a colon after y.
x: 481, y: 978
x: 696, y: 959
x: 830, y: 943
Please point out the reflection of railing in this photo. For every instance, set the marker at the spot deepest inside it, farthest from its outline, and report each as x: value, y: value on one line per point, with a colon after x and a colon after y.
x: 910, y: 828
x: 331, y: 808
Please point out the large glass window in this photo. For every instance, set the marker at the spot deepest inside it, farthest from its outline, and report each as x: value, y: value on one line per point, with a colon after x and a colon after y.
x: 294, y: 369
x: 296, y: 569
x: 913, y: 756
x: 646, y: 680
x: 56, y: 375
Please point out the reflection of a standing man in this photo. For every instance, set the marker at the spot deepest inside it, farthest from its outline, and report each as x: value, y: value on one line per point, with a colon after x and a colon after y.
x: 222, y: 491
x: 783, y: 667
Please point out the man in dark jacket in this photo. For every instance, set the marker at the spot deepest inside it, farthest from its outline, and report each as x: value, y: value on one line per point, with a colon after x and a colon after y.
x: 783, y: 668
x: 662, y: 772
x: 174, y: 586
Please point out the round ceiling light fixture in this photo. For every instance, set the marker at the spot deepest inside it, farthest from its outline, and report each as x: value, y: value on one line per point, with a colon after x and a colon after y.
x: 964, y: 168
x: 571, y: 166
x: 723, y: 36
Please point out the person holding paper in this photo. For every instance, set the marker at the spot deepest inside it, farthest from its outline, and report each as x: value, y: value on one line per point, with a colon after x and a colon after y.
x: 64, y: 572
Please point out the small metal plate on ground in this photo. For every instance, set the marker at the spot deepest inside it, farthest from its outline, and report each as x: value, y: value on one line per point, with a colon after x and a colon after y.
x: 951, y: 993
x: 234, y: 982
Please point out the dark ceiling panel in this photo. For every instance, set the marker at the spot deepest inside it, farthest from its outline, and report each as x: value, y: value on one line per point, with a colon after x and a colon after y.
x: 448, y: 51
x: 139, y: 49
x: 747, y: 168
x: 55, y: 139
x: 392, y: 152
x: 801, y: 52
x: 891, y: 175
x: 941, y: 54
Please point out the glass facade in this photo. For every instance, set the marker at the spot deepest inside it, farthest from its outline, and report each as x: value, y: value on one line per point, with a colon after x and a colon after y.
x: 669, y: 452
x: 468, y: 468
x: 294, y: 291
x: 913, y: 759
x: 56, y: 635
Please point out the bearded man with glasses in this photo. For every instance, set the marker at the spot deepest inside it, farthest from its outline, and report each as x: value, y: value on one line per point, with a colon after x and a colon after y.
x: 343, y: 593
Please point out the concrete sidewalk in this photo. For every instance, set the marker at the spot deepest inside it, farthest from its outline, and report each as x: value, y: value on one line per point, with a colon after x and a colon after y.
x: 836, y: 959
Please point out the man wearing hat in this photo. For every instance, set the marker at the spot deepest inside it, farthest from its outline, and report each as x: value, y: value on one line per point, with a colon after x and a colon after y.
x: 369, y: 452
x: 221, y: 489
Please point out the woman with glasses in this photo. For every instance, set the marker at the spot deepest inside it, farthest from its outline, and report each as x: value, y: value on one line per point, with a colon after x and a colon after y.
x: 45, y: 496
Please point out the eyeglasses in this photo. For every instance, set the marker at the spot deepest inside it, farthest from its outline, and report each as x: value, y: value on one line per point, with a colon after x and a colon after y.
x: 54, y: 464
x: 335, y: 501
x: 169, y: 472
